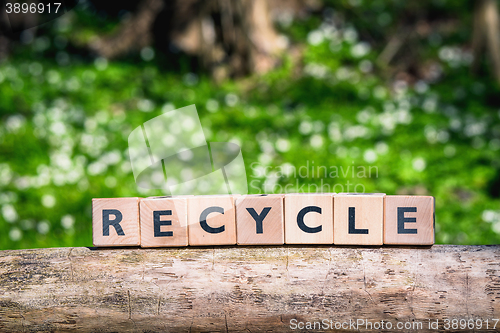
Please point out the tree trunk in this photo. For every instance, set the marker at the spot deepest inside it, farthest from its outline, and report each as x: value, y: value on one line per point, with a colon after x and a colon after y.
x: 486, y: 35
x: 231, y: 37
x: 133, y: 34
x: 245, y: 289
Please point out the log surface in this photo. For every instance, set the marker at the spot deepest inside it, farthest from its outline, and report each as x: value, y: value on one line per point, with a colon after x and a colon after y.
x: 243, y: 289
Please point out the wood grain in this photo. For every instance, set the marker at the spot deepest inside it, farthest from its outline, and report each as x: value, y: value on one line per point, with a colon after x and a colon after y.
x: 358, y: 219
x: 171, y: 229
x: 242, y: 289
x: 122, y: 227
x: 309, y: 218
x: 259, y: 220
x: 418, y: 214
x: 219, y: 217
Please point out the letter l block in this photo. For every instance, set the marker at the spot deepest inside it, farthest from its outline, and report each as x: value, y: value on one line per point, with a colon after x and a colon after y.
x: 359, y: 219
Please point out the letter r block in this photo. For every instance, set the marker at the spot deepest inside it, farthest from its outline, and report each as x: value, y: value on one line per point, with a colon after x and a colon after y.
x: 164, y: 222
x: 409, y: 220
x: 309, y: 218
x: 359, y: 219
x: 115, y: 222
x: 211, y: 220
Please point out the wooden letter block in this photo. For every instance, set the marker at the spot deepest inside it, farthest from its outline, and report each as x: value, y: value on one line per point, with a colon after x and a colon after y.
x: 359, y: 219
x: 309, y: 218
x: 164, y: 222
x: 259, y: 220
x: 409, y: 220
x: 115, y: 222
x: 211, y: 220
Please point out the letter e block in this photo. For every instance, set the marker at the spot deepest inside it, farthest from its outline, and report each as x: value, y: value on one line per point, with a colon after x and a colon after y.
x: 115, y: 222
x: 211, y: 220
x: 309, y: 218
x: 409, y: 220
x: 359, y: 219
x: 259, y: 220
x: 164, y: 222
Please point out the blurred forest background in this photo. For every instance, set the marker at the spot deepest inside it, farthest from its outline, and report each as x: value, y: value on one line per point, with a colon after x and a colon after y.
x: 411, y: 87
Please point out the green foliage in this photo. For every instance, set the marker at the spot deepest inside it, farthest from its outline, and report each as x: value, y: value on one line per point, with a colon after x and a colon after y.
x: 63, y: 139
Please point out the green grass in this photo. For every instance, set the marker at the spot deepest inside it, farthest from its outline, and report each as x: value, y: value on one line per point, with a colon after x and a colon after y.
x: 63, y: 139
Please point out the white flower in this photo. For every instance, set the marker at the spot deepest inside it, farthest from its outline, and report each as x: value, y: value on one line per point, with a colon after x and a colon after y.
x: 491, y: 216
x: 365, y: 66
x: 167, y: 107
x: 305, y: 127
x: 316, y: 70
x: 147, y: 53
x: 360, y: 49
x: 9, y: 213
x: 43, y: 227
x: 231, y: 99
x: 316, y: 141
x: 15, y: 234
x: 350, y: 35
x: 315, y: 37
x: 212, y: 105
x: 14, y: 123
x: 283, y: 145
x: 145, y: 105
x: 419, y: 164
x: 382, y: 148
x: 429, y: 105
x: 48, y: 200
x: 370, y: 156
x: 101, y: 63
x: 67, y: 221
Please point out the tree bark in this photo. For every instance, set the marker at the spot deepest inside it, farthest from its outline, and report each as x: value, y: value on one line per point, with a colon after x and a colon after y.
x: 231, y: 37
x: 243, y: 289
x: 486, y: 35
x: 133, y: 34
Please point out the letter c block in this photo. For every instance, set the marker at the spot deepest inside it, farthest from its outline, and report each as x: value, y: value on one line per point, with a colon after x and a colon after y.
x: 309, y: 218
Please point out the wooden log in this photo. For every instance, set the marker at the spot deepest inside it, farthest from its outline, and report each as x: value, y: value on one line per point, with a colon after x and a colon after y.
x: 244, y: 289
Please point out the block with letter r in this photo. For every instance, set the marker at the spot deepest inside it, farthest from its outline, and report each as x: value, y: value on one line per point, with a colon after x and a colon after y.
x: 115, y: 222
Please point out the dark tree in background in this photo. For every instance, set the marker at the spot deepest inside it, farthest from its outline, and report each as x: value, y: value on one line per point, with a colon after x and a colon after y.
x: 231, y: 37
x: 486, y: 36
x: 234, y: 38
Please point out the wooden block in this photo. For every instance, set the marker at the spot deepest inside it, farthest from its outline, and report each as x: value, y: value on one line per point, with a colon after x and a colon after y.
x: 309, y: 218
x: 211, y: 220
x: 164, y: 222
x: 409, y: 220
x: 259, y: 219
x: 115, y: 222
x: 359, y: 219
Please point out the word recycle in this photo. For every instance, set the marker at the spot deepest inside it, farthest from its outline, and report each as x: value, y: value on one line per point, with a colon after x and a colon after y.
x: 274, y: 219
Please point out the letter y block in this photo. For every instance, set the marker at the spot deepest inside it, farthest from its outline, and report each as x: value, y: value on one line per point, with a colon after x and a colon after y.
x: 259, y: 219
